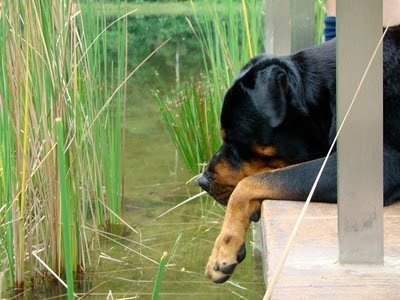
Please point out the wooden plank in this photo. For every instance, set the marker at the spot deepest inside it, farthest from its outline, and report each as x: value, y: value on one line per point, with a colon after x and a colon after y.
x: 360, y: 144
x: 312, y: 270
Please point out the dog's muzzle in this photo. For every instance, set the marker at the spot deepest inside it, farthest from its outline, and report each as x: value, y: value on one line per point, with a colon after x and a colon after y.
x: 204, y: 182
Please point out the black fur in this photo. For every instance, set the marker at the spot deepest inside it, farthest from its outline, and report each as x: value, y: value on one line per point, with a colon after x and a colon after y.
x: 290, y: 102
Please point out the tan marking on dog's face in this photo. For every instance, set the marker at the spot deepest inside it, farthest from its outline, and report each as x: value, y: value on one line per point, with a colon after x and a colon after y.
x: 258, y: 166
x: 264, y: 150
x: 226, y: 178
x: 225, y: 174
x: 223, y: 133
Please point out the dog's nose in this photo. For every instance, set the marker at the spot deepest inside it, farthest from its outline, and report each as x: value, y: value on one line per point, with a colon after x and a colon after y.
x: 204, y: 182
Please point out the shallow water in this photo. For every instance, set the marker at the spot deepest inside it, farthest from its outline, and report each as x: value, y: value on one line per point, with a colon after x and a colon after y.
x: 155, y: 181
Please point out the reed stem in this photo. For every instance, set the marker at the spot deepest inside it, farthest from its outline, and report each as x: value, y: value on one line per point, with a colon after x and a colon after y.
x: 159, y: 278
x: 65, y: 209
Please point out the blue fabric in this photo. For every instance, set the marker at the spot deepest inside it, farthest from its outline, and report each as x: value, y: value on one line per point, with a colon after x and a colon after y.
x: 330, y: 28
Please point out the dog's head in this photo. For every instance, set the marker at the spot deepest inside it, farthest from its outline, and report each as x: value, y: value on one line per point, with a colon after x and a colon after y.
x: 261, y: 125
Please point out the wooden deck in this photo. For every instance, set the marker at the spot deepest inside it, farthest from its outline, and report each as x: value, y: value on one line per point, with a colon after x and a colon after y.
x: 312, y: 270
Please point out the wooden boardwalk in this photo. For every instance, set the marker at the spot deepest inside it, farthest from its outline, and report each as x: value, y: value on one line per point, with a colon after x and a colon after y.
x: 312, y: 270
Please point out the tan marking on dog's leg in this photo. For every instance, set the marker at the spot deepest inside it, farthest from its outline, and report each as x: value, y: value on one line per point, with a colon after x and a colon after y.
x: 228, y: 248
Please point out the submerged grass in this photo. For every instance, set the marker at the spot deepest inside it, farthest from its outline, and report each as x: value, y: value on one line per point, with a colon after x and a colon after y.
x: 54, y: 64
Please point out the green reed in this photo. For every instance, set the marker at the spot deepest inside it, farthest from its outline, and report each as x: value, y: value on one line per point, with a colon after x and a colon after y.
x: 191, y: 113
x: 191, y: 121
x: 65, y: 210
x: 54, y: 63
x: 320, y: 13
x: 159, y: 277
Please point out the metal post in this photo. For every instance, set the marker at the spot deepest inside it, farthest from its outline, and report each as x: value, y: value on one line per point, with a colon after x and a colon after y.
x: 303, y: 24
x: 289, y: 25
x: 360, y: 145
x: 277, y: 27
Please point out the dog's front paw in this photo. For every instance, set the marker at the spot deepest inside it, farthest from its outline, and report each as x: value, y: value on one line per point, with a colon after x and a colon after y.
x: 229, y: 250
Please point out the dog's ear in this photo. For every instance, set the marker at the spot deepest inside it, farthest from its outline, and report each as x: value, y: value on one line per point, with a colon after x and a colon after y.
x: 270, y: 93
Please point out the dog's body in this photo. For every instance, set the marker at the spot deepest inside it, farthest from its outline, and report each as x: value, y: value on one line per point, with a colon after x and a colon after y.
x: 280, y: 115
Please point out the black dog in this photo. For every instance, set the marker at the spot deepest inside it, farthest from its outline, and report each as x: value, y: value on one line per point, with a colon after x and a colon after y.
x: 280, y: 115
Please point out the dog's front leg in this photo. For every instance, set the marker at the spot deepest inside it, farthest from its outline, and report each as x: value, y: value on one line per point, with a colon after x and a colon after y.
x: 291, y: 183
x: 229, y: 249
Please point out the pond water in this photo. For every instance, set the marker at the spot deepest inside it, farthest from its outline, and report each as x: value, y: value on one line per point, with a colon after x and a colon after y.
x: 156, y: 181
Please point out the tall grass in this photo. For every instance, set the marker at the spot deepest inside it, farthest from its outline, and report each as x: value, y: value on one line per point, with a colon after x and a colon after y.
x: 54, y: 64
x: 229, y: 38
x: 320, y: 13
x: 65, y: 210
x: 191, y: 113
